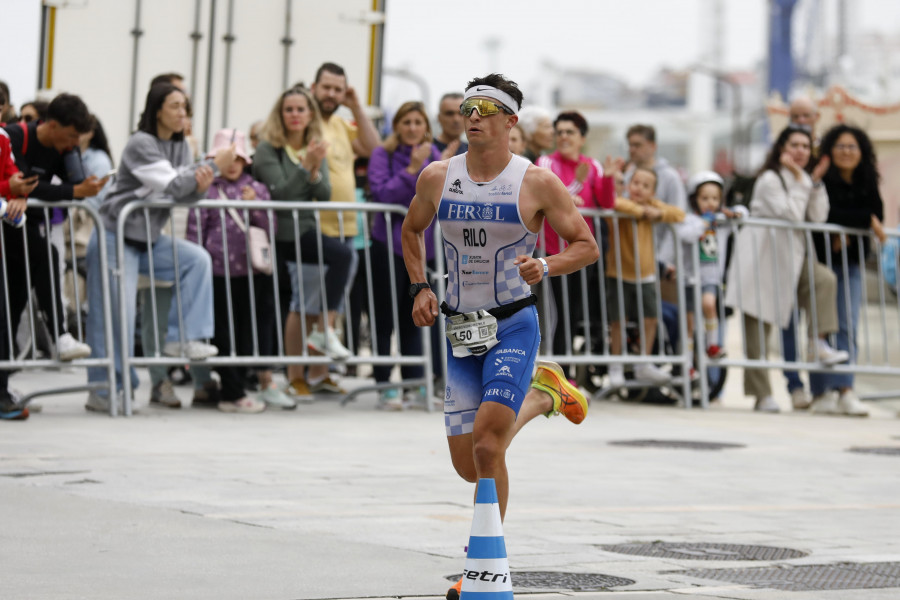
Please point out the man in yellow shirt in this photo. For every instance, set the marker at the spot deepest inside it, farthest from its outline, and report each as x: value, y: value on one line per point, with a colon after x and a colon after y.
x: 345, y: 141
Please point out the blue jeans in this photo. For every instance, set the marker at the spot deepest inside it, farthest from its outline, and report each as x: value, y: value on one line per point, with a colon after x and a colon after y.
x: 789, y: 346
x: 819, y: 383
x: 195, y: 278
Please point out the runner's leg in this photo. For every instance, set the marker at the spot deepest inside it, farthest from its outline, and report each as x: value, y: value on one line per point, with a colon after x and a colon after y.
x: 537, y: 402
x: 494, y: 430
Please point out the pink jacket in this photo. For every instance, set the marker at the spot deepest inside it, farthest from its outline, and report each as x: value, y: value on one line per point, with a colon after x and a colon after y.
x: 597, y: 191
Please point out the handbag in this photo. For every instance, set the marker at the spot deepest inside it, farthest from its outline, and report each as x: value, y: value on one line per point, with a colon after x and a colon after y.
x: 258, y: 244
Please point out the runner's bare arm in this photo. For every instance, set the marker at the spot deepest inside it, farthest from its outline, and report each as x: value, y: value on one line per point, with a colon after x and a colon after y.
x: 549, y: 197
x: 421, y: 213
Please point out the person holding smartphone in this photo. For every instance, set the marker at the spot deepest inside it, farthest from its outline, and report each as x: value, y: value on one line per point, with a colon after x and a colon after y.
x: 40, y: 151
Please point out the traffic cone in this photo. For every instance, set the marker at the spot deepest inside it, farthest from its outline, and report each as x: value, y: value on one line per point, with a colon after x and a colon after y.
x: 486, y: 576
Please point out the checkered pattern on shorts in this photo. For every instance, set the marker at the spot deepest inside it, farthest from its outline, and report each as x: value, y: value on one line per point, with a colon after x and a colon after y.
x: 460, y: 423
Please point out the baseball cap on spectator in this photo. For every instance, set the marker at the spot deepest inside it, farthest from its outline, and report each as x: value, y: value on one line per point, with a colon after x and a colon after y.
x: 224, y: 138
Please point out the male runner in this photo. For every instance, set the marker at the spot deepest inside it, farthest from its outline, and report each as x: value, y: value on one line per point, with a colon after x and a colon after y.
x: 491, y: 205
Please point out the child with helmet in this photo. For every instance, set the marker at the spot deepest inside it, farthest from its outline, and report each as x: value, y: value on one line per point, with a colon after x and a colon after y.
x: 705, y: 194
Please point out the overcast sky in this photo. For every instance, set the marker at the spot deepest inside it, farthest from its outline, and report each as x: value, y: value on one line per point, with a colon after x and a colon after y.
x: 445, y: 43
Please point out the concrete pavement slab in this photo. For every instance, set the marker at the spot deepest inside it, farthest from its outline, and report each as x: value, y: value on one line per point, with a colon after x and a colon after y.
x: 350, y: 502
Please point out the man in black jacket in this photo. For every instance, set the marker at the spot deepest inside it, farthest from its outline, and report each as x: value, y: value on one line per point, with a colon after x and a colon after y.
x: 47, y: 149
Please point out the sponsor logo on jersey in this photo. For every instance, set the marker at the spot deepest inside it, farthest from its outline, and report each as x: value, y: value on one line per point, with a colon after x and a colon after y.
x: 473, y: 259
x: 501, y: 190
x: 496, y: 392
x: 455, y: 187
x: 502, y: 359
x: 473, y: 211
x: 511, y: 351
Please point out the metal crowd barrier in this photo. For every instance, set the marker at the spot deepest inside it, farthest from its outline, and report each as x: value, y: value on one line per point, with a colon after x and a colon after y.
x: 391, y: 213
x: 875, y: 348
x: 876, y: 353
x: 51, y: 306
x: 588, y: 330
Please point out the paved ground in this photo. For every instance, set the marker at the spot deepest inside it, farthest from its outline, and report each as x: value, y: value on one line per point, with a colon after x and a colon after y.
x: 332, y: 502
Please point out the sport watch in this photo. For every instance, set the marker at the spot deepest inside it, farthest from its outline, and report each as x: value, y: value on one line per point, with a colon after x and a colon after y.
x: 415, y: 288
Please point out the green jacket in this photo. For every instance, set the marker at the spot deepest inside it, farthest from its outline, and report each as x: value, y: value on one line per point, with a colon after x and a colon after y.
x: 287, y: 181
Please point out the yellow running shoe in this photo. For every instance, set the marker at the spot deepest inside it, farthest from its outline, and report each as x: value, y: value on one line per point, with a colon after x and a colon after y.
x: 567, y: 399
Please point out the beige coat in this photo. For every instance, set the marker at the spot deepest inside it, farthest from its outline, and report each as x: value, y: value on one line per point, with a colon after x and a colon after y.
x: 767, y: 262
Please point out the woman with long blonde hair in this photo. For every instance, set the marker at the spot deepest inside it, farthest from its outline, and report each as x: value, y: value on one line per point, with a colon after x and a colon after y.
x: 290, y: 159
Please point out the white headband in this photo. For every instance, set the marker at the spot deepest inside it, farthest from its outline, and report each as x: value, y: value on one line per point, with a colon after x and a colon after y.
x: 492, y: 92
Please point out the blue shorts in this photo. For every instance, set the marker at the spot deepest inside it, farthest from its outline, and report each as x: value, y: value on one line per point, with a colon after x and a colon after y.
x: 502, y: 374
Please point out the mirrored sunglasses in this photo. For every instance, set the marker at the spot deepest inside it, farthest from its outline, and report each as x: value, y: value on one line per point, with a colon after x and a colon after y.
x: 484, y: 107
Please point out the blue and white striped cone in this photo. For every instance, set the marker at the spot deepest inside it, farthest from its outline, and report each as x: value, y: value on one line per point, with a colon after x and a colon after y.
x: 486, y: 576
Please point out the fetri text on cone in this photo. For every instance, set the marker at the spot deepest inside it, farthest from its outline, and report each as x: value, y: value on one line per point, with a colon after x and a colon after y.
x: 486, y: 576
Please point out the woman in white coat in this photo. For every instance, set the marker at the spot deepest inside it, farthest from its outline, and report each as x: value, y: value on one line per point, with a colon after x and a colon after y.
x: 769, y: 270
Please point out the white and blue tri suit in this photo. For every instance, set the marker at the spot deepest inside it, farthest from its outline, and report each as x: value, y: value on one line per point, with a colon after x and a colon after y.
x: 483, y: 234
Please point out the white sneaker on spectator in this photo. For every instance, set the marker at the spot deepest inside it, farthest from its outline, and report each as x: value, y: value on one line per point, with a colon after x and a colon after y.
x: 824, y: 404
x: 827, y: 355
x: 194, y: 349
x: 616, y: 374
x: 648, y: 373
x: 273, y: 396
x: 163, y: 394
x: 766, y: 404
x: 800, y: 399
x: 245, y: 405
x: 849, y: 404
x: 336, y: 349
x: 69, y: 348
x: 328, y: 343
x: 390, y: 399
x: 98, y: 403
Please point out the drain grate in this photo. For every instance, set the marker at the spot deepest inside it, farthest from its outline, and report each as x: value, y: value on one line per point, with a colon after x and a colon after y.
x: 679, y: 444
x: 704, y: 551
x: 884, y: 450
x: 804, y: 578
x: 551, y: 580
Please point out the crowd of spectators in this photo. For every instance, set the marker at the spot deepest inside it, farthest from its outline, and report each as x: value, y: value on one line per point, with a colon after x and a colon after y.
x: 305, y: 151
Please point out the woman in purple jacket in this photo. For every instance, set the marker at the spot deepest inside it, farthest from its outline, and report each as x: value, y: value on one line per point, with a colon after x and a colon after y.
x: 231, y: 270
x: 394, y: 168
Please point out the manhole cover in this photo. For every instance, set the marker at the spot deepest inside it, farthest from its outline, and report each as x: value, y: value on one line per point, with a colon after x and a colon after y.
x: 842, y: 576
x: 703, y: 551
x: 681, y: 444
x: 550, y: 580
x: 886, y: 450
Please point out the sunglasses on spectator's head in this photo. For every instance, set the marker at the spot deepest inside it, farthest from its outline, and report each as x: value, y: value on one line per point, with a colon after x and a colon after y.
x: 484, y: 107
